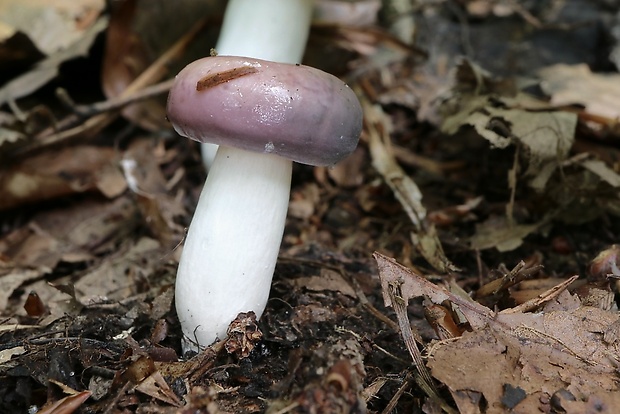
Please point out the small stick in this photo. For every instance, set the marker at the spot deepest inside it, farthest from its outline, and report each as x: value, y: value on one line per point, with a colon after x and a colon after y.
x: 115, y: 103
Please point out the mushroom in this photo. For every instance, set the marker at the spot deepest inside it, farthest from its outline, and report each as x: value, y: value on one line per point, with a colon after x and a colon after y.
x: 275, y: 30
x: 264, y: 115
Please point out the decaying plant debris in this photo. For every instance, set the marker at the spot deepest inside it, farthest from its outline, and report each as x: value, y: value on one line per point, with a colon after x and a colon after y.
x: 463, y: 259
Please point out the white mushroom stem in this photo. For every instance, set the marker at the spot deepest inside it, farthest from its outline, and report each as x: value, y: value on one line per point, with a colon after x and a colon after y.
x: 275, y: 30
x: 233, y: 241
x: 232, y: 244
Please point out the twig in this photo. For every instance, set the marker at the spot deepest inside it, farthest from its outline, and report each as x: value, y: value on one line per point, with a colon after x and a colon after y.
x: 544, y: 297
x: 400, y: 307
x: 394, y: 400
x: 202, y: 362
x: 121, y: 392
x: 112, y: 104
x: 422, y: 376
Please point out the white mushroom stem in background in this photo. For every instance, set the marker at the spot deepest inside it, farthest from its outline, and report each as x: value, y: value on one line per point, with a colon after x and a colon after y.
x: 232, y: 245
x: 275, y: 30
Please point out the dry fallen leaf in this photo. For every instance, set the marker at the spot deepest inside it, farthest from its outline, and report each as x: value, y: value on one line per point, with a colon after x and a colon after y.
x: 576, y: 84
x: 59, y: 173
x: 499, y: 233
x: 47, y: 69
x: 139, y: 32
x: 118, y: 278
x: 329, y: 280
x: 11, y: 280
x: 546, y: 136
x: 304, y: 201
x: 66, y: 405
x: 518, y: 361
x: 156, y: 386
x: 71, y: 234
x: 51, y: 26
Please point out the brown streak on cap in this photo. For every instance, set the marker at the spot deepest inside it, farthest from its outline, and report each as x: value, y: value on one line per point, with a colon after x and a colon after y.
x: 211, y: 81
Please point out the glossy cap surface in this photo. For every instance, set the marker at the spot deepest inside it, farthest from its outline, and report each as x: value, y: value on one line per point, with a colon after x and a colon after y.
x: 294, y: 111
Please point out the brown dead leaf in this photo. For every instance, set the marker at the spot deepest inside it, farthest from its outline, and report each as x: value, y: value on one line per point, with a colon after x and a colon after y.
x: 135, y: 39
x: 72, y: 234
x: 90, y: 224
x: 576, y: 84
x: 124, y: 60
x: 504, y: 116
x: 328, y: 280
x: 539, y: 353
x: 11, y: 280
x: 454, y: 214
x: 500, y: 233
x: 118, y: 278
x: 313, y: 313
x: 30, y: 247
x: 304, y: 202
x: 413, y: 285
x: 66, y: 405
x: 605, y: 264
x: 156, y: 386
x: 529, y: 289
x: 546, y: 136
x: 59, y: 173
x: 34, y: 306
x: 47, y: 69
x: 51, y: 26
x: 541, y: 362
x: 349, y: 172
x: 159, y: 208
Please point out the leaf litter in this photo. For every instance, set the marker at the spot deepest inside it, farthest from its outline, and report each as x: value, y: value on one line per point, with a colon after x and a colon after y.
x: 464, y: 167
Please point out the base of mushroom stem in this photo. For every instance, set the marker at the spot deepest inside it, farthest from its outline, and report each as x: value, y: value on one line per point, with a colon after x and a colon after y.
x: 232, y: 244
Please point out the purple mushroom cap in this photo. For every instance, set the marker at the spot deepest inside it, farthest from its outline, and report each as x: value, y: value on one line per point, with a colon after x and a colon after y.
x: 295, y: 111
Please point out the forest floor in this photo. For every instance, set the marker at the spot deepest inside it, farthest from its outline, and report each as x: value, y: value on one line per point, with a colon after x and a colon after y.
x: 462, y: 259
